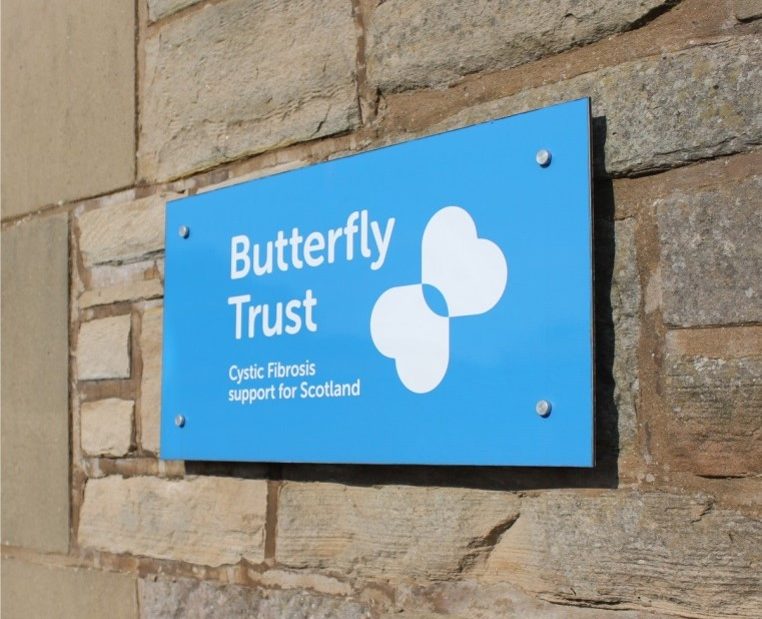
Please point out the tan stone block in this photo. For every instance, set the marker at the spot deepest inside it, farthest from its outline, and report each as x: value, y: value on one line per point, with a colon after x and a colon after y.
x: 713, y: 391
x: 149, y: 406
x: 239, y: 77
x: 388, y: 532
x: 664, y: 553
x: 68, y: 94
x: 426, y: 43
x: 129, y: 291
x: 106, y: 427
x: 206, y: 520
x: 31, y: 590
x: 468, y: 599
x: 122, y: 232
x: 35, y: 367
x: 162, y: 8
x: 103, y: 348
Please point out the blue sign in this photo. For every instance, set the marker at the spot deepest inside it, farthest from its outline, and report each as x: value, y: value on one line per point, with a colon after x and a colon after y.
x: 425, y: 303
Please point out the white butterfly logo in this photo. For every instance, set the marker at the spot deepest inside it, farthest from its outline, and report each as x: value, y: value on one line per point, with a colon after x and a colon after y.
x: 471, y: 274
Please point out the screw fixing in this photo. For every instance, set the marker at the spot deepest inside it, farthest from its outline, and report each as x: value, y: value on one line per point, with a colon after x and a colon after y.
x: 543, y: 157
x: 543, y: 408
x: 183, y: 231
x: 180, y: 421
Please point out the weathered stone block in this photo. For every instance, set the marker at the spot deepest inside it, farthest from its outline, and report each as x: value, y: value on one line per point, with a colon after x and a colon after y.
x: 465, y: 599
x: 618, y: 334
x: 35, y: 400
x: 416, y: 44
x: 747, y: 10
x: 661, y: 552
x: 651, y: 107
x: 161, y: 8
x: 68, y: 101
x: 714, y: 394
x: 150, y: 380
x: 207, y: 520
x: 128, y: 291
x: 122, y: 232
x: 238, y: 78
x: 711, y: 255
x: 106, y: 427
x: 103, y: 348
x: 31, y: 590
x: 390, y: 531
x: 184, y: 598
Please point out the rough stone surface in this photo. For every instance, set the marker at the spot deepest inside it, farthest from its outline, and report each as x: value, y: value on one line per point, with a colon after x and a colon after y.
x: 711, y: 255
x: 660, y: 552
x: 162, y: 8
x: 68, y: 96
x: 748, y: 9
x: 106, y: 427
x: 190, y: 599
x: 31, y: 590
x: 150, y: 381
x: 388, y: 531
x: 650, y: 108
x: 416, y: 44
x: 619, y: 333
x: 468, y: 599
x: 129, y: 291
x: 714, y: 395
x: 122, y: 232
x: 206, y: 520
x: 103, y: 348
x: 240, y: 77
x: 35, y: 366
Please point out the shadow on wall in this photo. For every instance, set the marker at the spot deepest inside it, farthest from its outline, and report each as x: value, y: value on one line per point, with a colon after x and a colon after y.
x: 603, y: 475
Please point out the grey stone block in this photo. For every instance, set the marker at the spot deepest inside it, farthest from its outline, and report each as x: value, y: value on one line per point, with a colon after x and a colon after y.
x: 711, y: 255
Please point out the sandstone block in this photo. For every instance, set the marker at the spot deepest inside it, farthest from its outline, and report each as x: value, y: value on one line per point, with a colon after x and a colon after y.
x: 106, y: 427
x: 747, y: 10
x: 184, y: 598
x: 129, y: 291
x: 238, y: 78
x: 618, y: 335
x: 711, y: 255
x: 465, y: 599
x: 68, y: 101
x: 122, y: 232
x: 150, y: 381
x: 651, y: 106
x: 206, y: 520
x: 35, y: 390
x: 659, y: 552
x: 31, y: 590
x: 161, y: 8
x: 714, y: 394
x: 103, y: 348
x: 417, y: 44
x: 388, y: 532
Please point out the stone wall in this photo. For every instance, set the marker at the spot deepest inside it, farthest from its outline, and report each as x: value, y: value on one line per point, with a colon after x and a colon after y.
x: 110, y: 108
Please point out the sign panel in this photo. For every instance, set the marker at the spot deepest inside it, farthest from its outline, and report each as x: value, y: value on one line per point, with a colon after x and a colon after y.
x: 424, y: 303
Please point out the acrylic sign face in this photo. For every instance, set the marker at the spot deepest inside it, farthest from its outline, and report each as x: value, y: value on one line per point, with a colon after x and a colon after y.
x: 417, y: 304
